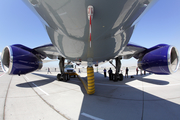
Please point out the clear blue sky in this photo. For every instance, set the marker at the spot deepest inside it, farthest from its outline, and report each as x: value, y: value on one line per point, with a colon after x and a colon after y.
x: 161, y: 24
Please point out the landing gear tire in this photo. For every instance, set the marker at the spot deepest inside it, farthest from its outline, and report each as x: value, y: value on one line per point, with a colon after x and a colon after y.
x: 120, y: 77
x: 59, y: 78
x: 66, y: 77
x: 115, y: 77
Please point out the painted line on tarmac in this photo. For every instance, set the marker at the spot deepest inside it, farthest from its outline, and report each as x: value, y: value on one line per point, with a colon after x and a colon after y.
x: 26, y: 77
x: 40, y: 89
x: 37, y: 86
x: 90, y: 116
x: 2, y: 74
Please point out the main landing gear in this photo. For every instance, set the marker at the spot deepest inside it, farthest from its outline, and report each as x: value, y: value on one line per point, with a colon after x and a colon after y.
x: 62, y: 76
x: 118, y: 66
x: 117, y: 76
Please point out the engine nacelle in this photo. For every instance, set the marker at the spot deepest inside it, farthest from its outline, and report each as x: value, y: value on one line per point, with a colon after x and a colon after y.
x: 161, y: 59
x: 18, y: 59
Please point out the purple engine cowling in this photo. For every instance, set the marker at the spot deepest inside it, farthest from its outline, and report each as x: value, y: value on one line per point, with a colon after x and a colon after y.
x: 160, y: 59
x: 18, y: 59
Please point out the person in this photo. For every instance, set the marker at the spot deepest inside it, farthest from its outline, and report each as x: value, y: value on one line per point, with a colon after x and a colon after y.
x: 110, y: 74
x: 137, y: 71
x: 104, y: 72
x: 126, y: 74
x: 55, y: 69
x: 48, y: 71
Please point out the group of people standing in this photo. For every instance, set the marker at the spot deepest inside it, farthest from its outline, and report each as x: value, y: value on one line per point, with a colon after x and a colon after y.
x: 111, y: 73
x: 126, y: 72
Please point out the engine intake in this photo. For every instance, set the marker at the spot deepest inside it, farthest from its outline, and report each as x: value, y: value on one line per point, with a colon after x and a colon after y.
x: 18, y: 59
x: 161, y: 59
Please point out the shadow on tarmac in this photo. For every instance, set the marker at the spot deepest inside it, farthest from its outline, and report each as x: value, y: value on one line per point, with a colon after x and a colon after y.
x: 135, y: 77
x: 124, y: 101
x: 40, y: 82
x: 127, y: 102
x: 152, y: 81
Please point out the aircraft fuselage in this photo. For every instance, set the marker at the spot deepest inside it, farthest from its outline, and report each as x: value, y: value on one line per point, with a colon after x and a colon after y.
x: 67, y: 25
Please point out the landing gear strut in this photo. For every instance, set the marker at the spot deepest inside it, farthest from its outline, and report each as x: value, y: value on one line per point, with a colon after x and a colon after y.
x: 118, y: 63
x: 118, y: 66
x: 62, y: 76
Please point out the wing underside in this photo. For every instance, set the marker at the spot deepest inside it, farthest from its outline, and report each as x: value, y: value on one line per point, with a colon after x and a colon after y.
x: 131, y: 50
x: 48, y: 50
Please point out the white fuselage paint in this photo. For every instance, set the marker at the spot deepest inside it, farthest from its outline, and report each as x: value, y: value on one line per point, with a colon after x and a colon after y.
x: 67, y: 25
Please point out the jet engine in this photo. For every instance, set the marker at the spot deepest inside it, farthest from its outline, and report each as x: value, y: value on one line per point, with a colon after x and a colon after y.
x: 18, y: 59
x: 160, y: 59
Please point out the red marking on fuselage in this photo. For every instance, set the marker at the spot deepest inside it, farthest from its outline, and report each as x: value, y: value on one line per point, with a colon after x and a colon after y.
x: 90, y: 28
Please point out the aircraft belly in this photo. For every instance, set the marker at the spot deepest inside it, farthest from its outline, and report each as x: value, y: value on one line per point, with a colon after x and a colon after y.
x: 67, y: 25
x: 101, y: 49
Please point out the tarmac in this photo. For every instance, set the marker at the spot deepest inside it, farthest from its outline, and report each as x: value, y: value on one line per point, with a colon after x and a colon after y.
x: 39, y: 96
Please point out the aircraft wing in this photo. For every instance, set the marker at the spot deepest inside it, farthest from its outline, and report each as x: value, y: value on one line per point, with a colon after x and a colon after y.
x: 132, y: 50
x: 48, y: 50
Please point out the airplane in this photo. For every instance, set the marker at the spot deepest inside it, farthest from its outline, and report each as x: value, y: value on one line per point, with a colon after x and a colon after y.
x: 93, y: 32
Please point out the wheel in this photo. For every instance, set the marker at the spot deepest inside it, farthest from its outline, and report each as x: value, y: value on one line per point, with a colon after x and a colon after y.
x: 121, y: 77
x: 59, y: 78
x: 116, y: 77
x: 66, y: 77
